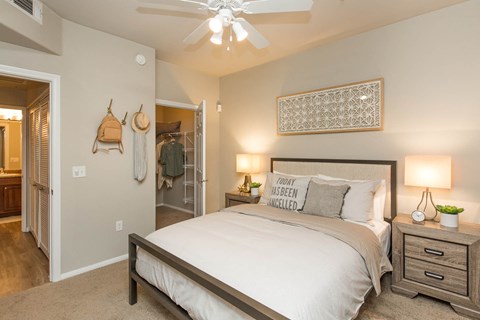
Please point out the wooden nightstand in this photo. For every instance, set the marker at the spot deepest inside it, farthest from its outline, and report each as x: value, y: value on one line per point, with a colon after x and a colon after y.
x: 235, y: 198
x: 439, y: 262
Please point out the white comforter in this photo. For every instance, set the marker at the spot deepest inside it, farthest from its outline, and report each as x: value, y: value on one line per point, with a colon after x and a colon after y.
x: 294, y: 270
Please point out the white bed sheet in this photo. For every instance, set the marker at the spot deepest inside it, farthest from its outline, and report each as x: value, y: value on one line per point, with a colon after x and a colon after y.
x: 382, y: 230
x: 299, y: 287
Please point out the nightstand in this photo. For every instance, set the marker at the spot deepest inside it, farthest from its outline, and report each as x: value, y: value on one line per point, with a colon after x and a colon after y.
x: 235, y: 198
x: 439, y: 262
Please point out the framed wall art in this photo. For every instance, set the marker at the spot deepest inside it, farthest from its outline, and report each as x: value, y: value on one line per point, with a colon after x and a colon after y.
x: 352, y: 107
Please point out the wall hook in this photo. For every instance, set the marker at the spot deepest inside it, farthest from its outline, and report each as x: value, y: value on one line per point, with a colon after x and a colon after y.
x: 124, y: 122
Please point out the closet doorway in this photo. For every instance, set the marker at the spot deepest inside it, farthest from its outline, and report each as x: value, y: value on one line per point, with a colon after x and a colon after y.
x: 180, y: 159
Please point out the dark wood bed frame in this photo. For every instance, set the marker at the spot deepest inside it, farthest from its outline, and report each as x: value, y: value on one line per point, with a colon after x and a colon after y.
x: 232, y: 296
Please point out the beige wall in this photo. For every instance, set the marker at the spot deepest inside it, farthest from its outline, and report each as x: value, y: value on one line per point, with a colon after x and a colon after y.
x: 95, y: 67
x: 17, y: 28
x: 179, y: 84
x: 430, y: 65
x: 12, y: 97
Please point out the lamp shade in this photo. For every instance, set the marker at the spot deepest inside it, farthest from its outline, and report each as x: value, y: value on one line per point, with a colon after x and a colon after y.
x: 249, y: 163
x: 217, y: 38
x: 428, y: 171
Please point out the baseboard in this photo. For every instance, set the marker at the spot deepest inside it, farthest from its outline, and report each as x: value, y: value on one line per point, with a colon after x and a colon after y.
x: 76, y: 272
x: 174, y: 207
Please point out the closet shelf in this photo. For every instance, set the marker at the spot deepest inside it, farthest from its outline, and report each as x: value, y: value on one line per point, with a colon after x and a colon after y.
x: 189, y: 183
x: 189, y: 166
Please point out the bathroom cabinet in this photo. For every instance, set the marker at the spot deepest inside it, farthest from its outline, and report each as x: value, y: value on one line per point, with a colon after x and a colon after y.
x: 10, y: 196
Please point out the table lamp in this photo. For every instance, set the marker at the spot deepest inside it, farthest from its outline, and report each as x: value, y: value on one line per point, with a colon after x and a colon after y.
x: 428, y: 172
x: 248, y: 163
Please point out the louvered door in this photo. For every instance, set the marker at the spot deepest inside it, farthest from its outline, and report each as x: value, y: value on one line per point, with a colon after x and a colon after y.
x: 39, y: 172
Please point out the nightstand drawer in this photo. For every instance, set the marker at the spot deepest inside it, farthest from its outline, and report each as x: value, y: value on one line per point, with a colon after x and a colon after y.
x: 439, y: 252
x: 434, y: 275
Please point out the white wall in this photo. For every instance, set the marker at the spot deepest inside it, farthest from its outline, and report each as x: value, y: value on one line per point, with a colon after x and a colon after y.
x: 179, y: 84
x: 430, y: 65
x: 95, y: 67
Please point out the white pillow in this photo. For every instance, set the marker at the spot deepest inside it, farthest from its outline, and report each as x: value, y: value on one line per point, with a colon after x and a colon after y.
x: 378, y: 199
x: 267, y: 186
x: 358, y: 201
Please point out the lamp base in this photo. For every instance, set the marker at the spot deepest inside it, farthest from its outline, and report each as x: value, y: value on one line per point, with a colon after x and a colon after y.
x: 427, y: 195
x: 246, y: 183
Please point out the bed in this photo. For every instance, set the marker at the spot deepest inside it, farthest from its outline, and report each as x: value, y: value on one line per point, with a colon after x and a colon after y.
x: 267, y: 261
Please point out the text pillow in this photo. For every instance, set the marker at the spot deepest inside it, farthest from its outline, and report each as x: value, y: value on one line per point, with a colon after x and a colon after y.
x: 268, y: 184
x: 288, y: 192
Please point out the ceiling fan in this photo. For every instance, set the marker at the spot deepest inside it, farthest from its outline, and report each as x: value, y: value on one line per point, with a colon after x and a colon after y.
x: 226, y: 17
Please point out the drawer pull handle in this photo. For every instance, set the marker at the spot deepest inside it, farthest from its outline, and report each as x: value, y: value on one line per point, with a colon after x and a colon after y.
x: 434, y: 275
x: 434, y: 252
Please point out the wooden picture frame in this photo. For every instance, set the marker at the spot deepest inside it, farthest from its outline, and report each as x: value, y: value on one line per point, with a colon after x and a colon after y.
x: 352, y: 107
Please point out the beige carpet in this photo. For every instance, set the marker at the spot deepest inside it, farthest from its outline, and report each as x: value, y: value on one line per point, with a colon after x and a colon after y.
x: 103, y: 294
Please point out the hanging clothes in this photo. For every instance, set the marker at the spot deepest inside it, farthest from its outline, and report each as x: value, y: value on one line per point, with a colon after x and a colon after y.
x: 172, y: 159
x: 161, y: 179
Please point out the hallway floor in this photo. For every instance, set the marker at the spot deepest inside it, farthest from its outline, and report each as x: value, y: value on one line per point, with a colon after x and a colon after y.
x: 22, y: 264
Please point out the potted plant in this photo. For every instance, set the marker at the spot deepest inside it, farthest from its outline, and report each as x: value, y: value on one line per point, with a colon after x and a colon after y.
x: 449, y: 215
x: 254, y: 188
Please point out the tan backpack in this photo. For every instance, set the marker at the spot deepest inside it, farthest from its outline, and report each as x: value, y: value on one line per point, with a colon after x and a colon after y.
x: 109, y: 131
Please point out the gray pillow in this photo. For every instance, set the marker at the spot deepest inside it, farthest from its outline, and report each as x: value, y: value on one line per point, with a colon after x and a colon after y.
x: 325, y: 200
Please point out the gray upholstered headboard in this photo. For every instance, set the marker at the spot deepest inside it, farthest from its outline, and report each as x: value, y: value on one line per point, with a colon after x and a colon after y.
x: 347, y: 169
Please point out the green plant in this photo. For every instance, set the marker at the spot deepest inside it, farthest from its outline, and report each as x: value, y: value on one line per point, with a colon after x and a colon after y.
x: 449, y: 209
x: 255, y: 185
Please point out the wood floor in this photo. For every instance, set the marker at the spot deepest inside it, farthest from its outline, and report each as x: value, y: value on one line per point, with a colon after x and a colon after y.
x: 22, y: 264
x: 166, y: 216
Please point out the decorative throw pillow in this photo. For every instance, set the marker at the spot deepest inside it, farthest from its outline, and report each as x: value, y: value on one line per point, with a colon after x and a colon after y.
x: 268, y: 184
x: 324, y: 199
x: 379, y: 198
x: 358, y: 202
x: 288, y: 192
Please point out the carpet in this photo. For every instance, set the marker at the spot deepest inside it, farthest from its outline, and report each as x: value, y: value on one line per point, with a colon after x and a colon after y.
x: 103, y: 294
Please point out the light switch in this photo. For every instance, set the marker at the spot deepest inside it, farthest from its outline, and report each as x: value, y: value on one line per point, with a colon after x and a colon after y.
x: 79, y: 171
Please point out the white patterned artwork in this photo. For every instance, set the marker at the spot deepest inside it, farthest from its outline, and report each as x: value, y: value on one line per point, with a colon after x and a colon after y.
x: 353, y: 107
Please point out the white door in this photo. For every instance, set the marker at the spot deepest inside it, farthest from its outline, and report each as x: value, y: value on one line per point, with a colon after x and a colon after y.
x: 200, y: 160
x: 38, y: 175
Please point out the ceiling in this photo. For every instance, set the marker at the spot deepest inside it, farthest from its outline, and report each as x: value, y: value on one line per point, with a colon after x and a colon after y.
x: 288, y: 33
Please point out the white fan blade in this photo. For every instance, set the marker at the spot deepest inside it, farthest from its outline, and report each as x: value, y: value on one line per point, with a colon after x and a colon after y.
x: 274, y: 6
x: 254, y: 36
x: 175, y: 5
x: 198, y: 33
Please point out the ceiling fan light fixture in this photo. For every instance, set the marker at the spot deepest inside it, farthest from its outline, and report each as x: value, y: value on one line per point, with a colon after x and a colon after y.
x: 216, y: 24
x: 217, y: 38
x: 240, y: 32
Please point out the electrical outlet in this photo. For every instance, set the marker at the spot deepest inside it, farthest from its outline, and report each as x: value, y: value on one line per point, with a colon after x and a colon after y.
x: 119, y: 225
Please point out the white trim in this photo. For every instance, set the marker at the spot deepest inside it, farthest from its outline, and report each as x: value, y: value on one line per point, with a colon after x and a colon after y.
x: 55, y: 161
x: 173, y: 207
x: 174, y: 104
x: 104, y: 263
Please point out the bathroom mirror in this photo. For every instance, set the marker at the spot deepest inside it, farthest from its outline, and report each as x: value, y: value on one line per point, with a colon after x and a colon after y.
x: 11, y: 145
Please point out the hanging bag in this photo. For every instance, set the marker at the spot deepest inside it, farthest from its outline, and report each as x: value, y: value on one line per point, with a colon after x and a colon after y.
x: 109, y: 131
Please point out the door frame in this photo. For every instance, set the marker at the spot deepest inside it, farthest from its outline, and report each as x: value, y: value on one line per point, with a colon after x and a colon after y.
x: 193, y: 107
x: 55, y: 163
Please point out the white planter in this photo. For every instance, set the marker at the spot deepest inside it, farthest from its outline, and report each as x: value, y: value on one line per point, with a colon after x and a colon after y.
x: 254, y: 191
x: 449, y: 220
